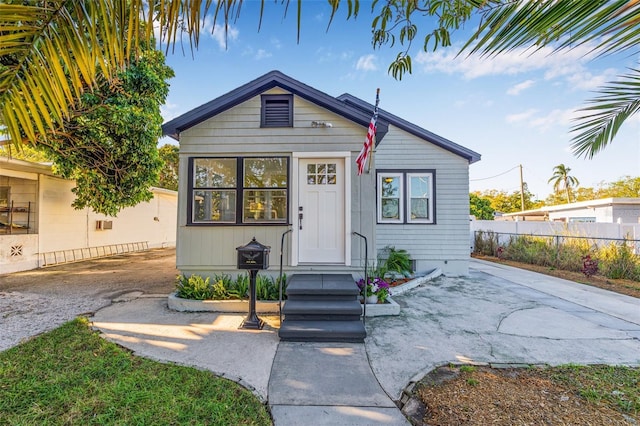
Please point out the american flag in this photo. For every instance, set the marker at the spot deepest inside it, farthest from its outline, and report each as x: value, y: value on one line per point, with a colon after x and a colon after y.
x: 368, y: 142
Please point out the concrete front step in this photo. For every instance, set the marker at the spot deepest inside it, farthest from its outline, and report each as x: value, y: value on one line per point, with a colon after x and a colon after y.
x: 322, y: 310
x: 323, y: 331
x: 325, y: 285
x: 324, y: 307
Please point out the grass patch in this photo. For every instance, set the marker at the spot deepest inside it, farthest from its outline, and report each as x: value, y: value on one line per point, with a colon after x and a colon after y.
x: 615, y: 386
x: 73, y: 376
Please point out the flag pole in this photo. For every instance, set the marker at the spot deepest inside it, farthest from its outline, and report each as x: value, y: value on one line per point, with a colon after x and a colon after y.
x: 374, y: 142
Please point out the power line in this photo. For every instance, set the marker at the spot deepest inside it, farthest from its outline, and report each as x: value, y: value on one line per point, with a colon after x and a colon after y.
x: 491, y: 177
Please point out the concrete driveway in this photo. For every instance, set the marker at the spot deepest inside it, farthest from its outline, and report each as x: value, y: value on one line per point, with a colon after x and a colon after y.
x: 501, y: 315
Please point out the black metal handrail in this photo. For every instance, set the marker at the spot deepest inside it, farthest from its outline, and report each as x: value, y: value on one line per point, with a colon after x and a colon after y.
x: 366, y: 264
x: 280, y: 277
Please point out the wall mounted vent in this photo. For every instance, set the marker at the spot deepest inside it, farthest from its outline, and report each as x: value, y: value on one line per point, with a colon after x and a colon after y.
x: 102, y: 225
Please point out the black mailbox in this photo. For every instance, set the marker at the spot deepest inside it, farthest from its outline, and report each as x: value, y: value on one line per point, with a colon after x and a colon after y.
x: 253, y: 255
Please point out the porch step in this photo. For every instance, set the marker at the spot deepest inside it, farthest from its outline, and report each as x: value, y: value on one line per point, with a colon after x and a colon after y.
x: 322, y: 308
x: 344, y: 310
x: 323, y: 331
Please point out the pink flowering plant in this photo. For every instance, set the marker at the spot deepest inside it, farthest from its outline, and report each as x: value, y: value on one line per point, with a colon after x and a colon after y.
x: 375, y: 286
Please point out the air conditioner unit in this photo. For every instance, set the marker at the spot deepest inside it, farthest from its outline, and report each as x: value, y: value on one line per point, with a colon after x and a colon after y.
x: 102, y: 225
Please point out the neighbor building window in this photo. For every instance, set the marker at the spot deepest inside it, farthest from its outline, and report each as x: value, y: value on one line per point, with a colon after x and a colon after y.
x: 405, y: 196
x: 277, y: 111
x: 239, y: 190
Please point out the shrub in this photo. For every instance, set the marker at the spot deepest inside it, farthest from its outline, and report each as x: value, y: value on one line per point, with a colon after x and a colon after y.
x: 589, y: 266
x: 394, y: 260
x: 193, y: 287
x: 486, y: 242
x: 618, y: 261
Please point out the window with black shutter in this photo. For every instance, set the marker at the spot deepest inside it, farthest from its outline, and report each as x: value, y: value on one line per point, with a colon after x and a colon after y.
x: 277, y: 111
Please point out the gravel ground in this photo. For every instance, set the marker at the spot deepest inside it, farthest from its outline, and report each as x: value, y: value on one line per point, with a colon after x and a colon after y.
x: 34, y: 302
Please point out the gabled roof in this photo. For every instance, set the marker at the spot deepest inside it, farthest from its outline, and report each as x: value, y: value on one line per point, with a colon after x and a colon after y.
x: 347, y: 106
x: 408, y: 127
x: 261, y: 84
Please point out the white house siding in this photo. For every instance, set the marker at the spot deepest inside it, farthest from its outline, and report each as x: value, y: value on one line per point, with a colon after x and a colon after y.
x: 444, y: 244
x: 57, y: 226
x: 63, y: 228
x: 236, y: 132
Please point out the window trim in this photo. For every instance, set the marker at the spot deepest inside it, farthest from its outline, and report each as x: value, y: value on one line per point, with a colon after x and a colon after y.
x: 430, y: 210
x: 264, y: 99
x: 239, y: 191
x: 400, y: 197
x: 405, y: 199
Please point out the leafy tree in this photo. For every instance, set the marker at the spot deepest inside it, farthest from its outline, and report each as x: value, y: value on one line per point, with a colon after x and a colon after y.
x: 505, y: 202
x: 562, y: 180
x: 109, y: 145
x: 24, y: 152
x: 480, y: 207
x: 169, y: 172
x: 628, y: 186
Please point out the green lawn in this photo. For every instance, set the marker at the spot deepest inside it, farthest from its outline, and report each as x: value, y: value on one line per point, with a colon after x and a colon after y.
x: 73, y: 376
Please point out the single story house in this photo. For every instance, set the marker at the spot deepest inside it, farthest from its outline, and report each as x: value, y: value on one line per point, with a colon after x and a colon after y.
x: 39, y: 227
x: 604, y: 210
x: 276, y: 154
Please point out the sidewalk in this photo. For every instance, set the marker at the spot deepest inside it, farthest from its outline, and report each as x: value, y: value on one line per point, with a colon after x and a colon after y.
x: 497, y: 315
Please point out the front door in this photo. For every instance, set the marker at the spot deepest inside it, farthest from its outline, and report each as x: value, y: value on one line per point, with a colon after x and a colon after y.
x: 321, y: 210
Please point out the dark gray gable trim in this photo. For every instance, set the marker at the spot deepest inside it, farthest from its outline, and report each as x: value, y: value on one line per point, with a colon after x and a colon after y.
x: 261, y: 84
x: 453, y: 147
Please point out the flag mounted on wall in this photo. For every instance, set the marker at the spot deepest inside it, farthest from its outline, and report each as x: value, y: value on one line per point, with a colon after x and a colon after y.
x: 371, y: 135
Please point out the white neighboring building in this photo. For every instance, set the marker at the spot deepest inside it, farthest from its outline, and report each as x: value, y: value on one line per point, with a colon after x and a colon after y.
x: 38, y: 225
x: 604, y: 210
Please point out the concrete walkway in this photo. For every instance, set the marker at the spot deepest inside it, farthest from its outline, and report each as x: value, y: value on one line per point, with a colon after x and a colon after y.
x: 496, y: 315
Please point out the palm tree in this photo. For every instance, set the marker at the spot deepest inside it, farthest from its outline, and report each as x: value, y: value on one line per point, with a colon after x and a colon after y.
x: 562, y: 180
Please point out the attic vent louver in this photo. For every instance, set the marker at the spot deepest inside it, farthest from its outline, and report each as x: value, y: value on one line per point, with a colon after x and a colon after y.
x: 277, y: 111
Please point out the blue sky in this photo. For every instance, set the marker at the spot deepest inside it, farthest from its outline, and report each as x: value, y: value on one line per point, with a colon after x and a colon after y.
x: 514, y: 109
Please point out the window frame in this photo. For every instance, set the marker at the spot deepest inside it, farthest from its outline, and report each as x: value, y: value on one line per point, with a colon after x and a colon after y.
x: 239, y: 189
x: 264, y: 100
x: 405, y: 196
x: 430, y: 209
x: 379, y: 197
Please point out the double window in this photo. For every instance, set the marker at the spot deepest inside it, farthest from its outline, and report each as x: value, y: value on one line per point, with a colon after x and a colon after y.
x: 238, y: 190
x: 406, y: 196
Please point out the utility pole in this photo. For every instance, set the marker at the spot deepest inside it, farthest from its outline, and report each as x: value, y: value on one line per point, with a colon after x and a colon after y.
x: 521, y: 190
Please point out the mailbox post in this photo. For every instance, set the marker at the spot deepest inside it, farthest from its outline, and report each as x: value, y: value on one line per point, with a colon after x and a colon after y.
x: 253, y: 256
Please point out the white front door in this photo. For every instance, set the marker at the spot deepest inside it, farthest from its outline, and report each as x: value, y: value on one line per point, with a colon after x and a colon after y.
x: 321, y: 210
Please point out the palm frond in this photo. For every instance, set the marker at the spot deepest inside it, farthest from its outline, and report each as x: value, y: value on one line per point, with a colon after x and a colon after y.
x: 611, y: 25
x: 618, y: 101
x: 50, y: 53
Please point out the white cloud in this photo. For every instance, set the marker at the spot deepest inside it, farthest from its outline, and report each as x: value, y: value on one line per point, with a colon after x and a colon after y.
x: 367, y: 63
x: 218, y: 33
x: 276, y: 43
x: 514, y: 62
x: 532, y: 119
x: 515, y: 90
x: 169, y: 111
x: 262, y: 54
x: 523, y: 116
x: 588, y: 81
